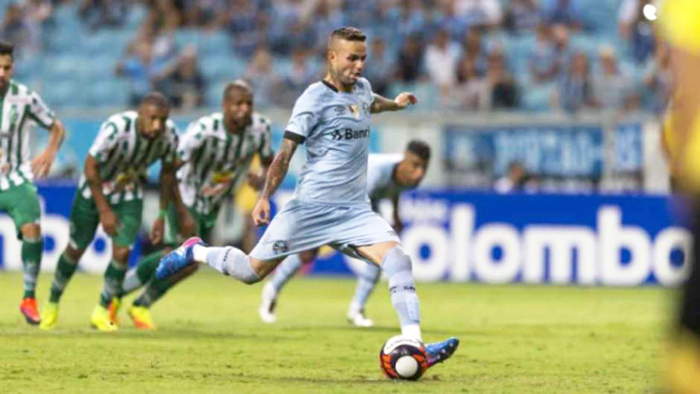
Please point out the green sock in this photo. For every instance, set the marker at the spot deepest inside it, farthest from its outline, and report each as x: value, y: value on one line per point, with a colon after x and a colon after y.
x: 31, y: 263
x: 114, y: 277
x: 154, y: 290
x: 64, y: 272
x: 141, y: 274
x: 158, y: 287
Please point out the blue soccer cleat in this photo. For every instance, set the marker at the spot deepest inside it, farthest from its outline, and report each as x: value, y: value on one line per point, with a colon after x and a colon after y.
x: 178, y: 259
x: 441, y: 351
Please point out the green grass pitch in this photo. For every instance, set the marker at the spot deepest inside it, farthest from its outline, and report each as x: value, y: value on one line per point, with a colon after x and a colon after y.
x: 515, y: 339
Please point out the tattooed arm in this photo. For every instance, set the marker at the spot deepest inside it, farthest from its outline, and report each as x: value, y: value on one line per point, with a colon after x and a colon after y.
x: 275, y: 176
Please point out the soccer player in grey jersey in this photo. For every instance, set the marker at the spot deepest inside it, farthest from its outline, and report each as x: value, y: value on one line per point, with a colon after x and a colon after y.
x: 388, y: 175
x: 330, y: 204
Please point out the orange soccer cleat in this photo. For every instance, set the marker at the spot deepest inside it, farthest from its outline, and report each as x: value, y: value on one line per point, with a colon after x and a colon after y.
x: 30, y: 311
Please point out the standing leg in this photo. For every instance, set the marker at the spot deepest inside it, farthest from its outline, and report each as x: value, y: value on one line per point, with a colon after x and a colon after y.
x: 32, y: 249
x: 366, y: 282
x: 284, y: 272
x: 402, y: 288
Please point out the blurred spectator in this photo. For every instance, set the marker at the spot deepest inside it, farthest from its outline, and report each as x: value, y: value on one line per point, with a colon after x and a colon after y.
x: 300, y: 74
x: 473, y: 47
x: 20, y: 30
x: 163, y: 14
x: 261, y: 75
x: 575, y: 91
x: 381, y: 67
x: 39, y: 11
x: 522, y: 16
x: 410, y: 59
x: 140, y: 69
x: 484, y: 13
x: 411, y: 19
x: 501, y: 84
x: 207, y: 14
x: 566, y: 12
x: 658, y: 80
x: 544, y: 59
x: 454, y: 24
x: 246, y: 24
x: 612, y: 88
x: 514, y: 181
x: 635, y: 27
x: 183, y: 83
x: 471, y: 92
x: 103, y: 13
x: 287, y: 29
x: 325, y: 18
x: 441, y: 59
x: 562, y: 46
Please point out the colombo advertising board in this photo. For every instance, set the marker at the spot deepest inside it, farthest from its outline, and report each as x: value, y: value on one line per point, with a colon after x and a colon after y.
x: 609, y: 240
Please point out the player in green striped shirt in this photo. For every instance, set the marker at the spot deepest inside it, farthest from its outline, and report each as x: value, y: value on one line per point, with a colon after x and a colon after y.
x: 110, y: 193
x: 214, y: 154
x: 20, y: 108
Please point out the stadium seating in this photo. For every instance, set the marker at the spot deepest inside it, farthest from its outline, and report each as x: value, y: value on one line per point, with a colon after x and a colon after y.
x: 76, y: 54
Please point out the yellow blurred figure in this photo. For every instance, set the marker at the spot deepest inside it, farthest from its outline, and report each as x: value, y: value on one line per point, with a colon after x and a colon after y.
x: 679, y: 24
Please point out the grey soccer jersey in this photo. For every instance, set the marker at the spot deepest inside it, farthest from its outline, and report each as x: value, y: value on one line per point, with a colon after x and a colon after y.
x: 335, y: 127
x: 123, y: 156
x: 217, y: 161
x: 17, y: 108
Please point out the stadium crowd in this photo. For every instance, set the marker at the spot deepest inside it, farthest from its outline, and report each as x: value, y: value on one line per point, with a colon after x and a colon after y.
x: 463, y: 55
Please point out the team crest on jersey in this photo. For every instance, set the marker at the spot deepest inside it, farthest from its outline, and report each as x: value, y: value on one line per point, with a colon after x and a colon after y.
x: 280, y: 246
x: 355, y: 110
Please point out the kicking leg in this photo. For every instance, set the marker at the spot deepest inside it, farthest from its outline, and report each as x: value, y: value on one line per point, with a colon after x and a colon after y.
x: 228, y: 260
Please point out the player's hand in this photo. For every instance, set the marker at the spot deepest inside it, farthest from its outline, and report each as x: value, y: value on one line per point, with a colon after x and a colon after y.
x: 156, y: 235
x: 261, y: 212
x: 41, y: 164
x: 405, y: 99
x: 256, y: 181
x: 109, y: 222
x: 188, y: 227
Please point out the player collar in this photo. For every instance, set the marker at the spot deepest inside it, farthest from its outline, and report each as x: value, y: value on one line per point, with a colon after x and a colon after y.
x: 330, y: 86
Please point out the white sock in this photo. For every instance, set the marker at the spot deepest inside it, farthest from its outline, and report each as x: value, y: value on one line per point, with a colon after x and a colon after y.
x: 230, y: 261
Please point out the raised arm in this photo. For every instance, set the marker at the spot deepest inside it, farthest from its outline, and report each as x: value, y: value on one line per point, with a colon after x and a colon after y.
x: 275, y: 176
x: 382, y: 104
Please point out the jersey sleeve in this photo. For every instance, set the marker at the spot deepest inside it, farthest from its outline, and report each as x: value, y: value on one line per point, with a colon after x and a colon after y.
x: 265, y: 148
x: 40, y: 112
x: 190, y: 141
x: 370, y: 92
x: 104, y: 143
x: 305, y: 116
